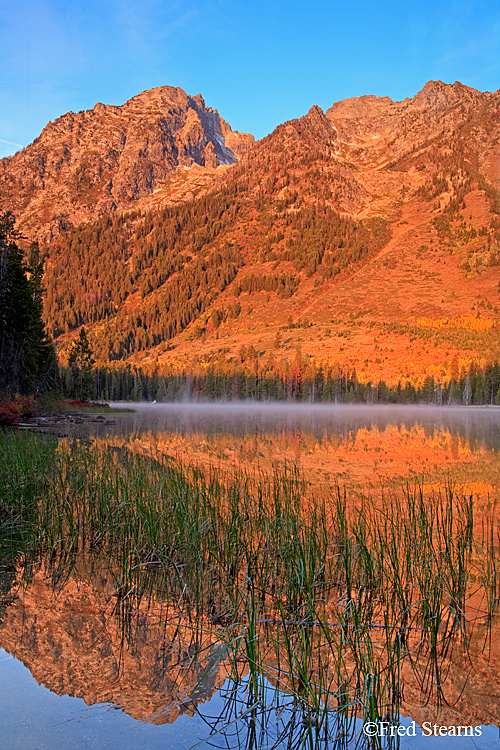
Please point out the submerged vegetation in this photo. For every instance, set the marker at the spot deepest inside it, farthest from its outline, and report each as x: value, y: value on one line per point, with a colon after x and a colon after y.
x: 341, y: 606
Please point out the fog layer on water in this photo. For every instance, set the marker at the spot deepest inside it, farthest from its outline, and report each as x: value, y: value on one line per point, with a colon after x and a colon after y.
x: 93, y: 644
x: 356, y: 446
x: 477, y: 425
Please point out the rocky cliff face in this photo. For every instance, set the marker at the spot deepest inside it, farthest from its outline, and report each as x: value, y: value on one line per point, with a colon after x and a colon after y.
x: 86, y: 164
x: 373, y: 130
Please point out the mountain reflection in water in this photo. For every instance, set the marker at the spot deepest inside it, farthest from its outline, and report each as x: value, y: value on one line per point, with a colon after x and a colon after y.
x: 357, y: 447
x: 79, y: 635
x: 83, y: 632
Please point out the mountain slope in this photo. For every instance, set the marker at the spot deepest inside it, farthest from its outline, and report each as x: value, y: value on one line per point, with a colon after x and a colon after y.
x: 177, y: 260
x: 367, y: 236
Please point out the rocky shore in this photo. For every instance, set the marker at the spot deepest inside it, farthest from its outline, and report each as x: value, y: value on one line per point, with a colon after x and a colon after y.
x: 55, y: 421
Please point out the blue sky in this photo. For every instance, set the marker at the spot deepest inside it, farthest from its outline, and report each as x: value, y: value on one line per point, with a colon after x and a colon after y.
x: 259, y: 63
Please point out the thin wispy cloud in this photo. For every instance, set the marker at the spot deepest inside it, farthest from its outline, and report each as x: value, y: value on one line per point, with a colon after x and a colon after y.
x: 11, y: 143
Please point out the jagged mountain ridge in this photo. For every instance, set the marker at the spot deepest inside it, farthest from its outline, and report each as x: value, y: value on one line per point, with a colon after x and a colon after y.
x: 372, y: 121
x: 85, y: 164
x: 297, y: 231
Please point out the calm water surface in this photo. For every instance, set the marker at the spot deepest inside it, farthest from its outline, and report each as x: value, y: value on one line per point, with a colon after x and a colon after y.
x: 357, y: 447
x: 76, y: 673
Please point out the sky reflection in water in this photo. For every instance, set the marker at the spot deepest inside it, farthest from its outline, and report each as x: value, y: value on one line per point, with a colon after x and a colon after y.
x: 356, y: 447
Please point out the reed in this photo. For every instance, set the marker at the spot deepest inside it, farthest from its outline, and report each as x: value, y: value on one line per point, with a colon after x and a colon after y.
x: 321, y: 598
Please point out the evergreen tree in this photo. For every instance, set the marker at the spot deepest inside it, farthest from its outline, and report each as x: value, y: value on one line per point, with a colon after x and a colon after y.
x: 27, y: 357
x: 81, y: 362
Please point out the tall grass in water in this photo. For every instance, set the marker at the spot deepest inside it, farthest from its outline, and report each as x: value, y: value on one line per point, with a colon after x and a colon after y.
x: 332, y: 603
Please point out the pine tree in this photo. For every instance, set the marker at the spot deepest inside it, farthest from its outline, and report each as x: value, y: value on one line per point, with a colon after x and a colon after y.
x: 28, y: 362
x: 81, y: 362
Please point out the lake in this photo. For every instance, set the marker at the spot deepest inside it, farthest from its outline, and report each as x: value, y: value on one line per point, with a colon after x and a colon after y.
x: 99, y: 666
x: 355, y: 446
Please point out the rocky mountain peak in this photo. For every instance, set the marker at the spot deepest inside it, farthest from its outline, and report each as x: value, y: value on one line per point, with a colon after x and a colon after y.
x: 316, y: 112
x: 437, y: 95
x: 367, y: 125
x: 85, y: 164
